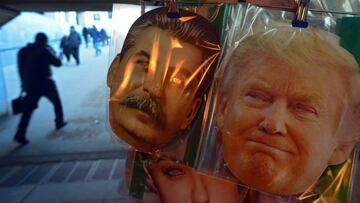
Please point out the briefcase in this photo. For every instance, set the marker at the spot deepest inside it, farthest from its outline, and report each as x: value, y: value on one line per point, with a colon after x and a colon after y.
x: 18, y: 105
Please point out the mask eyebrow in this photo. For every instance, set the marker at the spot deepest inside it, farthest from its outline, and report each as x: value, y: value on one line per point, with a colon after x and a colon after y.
x: 309, y: 98
x: 257, y: 83
x: 169, y: 158
x: 142, y: 53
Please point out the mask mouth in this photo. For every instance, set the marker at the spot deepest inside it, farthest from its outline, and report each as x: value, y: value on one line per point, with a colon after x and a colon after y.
x: 147, y: 105
x: 275, y: 143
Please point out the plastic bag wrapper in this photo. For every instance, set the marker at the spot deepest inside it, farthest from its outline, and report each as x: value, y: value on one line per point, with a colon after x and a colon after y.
x: 283, y: 117
x: 168, y: 180
x: 159, y: 79
x: 243, y: 18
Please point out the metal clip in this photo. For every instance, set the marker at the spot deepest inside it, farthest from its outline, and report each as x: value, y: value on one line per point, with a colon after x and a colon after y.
x: 301, y: 13
x: 173, y: 11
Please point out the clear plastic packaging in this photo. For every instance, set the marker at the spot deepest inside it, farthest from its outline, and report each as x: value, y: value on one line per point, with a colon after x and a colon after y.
x: 159, y: 83
x: 283, y: 118
x: 168, y: 180
x: 297, y: 59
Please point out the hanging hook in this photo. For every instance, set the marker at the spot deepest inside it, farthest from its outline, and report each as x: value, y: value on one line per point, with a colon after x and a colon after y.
x: 301, y: 13
x: 173, y: 11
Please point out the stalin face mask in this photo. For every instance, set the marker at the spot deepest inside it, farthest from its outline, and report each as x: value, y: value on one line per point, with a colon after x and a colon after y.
x: 158, y: 80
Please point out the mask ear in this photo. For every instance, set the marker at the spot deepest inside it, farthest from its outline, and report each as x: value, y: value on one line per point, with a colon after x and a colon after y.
x: 222, y: 111
x: 113, y: 71
x: 191, y: 113
x: 348, y: 136
x: 342, y: 152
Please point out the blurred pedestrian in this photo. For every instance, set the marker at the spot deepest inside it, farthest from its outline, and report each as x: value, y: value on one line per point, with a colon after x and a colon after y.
x: 85, y: 33
x: 34, y: 62
x: 65, y: 48
x: 96, y: 40
x: 74, y: 43
x: 104, y: 37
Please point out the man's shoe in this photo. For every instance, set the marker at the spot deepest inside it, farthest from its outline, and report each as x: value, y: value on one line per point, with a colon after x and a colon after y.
x: 60, y: 125
x: 21, y: 141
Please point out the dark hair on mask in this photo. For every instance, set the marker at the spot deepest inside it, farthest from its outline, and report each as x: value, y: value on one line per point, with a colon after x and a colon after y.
x: 197, y: 31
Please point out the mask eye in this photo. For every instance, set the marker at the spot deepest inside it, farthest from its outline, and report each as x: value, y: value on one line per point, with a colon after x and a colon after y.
x: 304, y: 109
x: 143, y: 63
x: 174, y: 172
x: 177, y: 81
x: 257, y: 97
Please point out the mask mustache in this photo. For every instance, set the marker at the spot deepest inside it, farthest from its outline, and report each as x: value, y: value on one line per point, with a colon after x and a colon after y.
x: 147, y: 105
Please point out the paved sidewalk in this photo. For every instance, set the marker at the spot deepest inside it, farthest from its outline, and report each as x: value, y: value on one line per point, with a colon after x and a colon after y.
x: 72, y: 181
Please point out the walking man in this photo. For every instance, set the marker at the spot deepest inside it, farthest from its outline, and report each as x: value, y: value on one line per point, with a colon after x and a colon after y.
x: 95, y: 34
x: 66, y: 49
x: 85, y: 33
x: 34, y: 62
x: 74, y: 41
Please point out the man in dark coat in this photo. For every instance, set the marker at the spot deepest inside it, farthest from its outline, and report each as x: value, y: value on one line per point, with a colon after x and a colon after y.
x: 74, y: 41
x: 66, y: 49
x: 85, y: 33
x: 95, y: 34
x: 34, y: 62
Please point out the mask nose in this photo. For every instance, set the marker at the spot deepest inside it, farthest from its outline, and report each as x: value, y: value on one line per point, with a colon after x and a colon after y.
x: 153, y: 88
x: 274, y: 120
x: 153, y: 81
x: 199, y: 192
